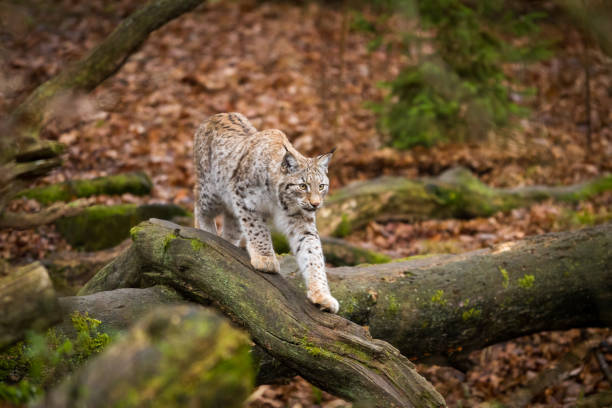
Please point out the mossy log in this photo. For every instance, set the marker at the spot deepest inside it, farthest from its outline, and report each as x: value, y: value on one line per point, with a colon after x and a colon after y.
x: 101, y: 226
x: 176, y: 356
x: 456, y: 193
x: 27, y: 302
x: 329, y: 351
x: 337, y: 251
x: 137, y: 183
x: 439, y: 308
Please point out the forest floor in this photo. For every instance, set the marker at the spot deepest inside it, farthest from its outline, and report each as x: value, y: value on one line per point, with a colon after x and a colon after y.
x: 291, y: 67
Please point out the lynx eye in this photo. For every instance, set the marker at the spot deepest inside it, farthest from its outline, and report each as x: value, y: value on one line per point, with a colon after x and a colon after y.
x: 321, y: 187
x: 303, y: 187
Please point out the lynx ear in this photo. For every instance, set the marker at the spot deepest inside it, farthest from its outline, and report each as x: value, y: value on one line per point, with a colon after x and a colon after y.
x: 289, y: 164
x: 323, y: 160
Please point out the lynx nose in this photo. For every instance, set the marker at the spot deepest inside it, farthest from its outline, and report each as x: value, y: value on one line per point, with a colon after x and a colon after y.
x: 315, y: 203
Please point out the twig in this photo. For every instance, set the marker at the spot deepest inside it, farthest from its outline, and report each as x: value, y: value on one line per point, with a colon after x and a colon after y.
x: 20, y: 220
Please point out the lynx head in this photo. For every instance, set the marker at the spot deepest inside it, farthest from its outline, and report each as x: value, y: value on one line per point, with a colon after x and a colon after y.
x: 304, y: 183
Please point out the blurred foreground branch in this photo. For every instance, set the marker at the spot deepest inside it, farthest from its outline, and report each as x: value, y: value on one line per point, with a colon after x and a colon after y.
x: 174, y: 356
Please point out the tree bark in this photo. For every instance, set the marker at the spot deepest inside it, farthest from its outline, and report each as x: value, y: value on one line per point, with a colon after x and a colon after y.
x: 456, y: 193
x: 176, y: 356
x: 439, y: 308
x: 327, y: 350
x: 27, y: 302
x: 137, y: 183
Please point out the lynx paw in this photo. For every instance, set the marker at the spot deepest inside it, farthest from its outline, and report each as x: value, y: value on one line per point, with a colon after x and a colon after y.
x: 265, y: 263
x: 324, y: 301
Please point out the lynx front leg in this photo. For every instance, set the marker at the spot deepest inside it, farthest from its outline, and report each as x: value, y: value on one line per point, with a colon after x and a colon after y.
x: 306, y: 246
x: 258, y: 241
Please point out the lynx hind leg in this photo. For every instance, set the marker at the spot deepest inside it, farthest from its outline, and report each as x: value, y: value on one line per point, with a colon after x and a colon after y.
x: 231, y: 230
x: 204, y: 221
x: 203, y: 214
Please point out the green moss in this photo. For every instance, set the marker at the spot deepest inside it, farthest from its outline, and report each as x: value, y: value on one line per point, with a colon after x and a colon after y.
x: 39, y: 362
x: 377, y: 258
x: 196, y: 244
x: 134, y: 231
x: 347, y: 350
x: 280, y: 243
x: 526, y: 281
x: 134, y: 183
x: 470, y: 313
x: 344, y: 227
x: 438, y: 298
x: 316, y: 351
x: 506, y: 278
x: 413, y: 257
x: 393, y: 306
x: 167, y: 239
x: 102, y: 226
x: 317, y: 395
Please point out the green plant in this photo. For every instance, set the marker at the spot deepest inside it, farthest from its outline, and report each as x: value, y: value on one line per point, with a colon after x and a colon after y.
x: 459, y: 90
x: 31, y: 366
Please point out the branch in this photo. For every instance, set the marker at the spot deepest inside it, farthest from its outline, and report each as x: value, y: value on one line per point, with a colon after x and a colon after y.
x: 21, y: 220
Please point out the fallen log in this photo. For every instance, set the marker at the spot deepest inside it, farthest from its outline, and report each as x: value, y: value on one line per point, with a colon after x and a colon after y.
x: 27, y: 302
x: 104, y: 226
x: 175, y: 356
x: 137, y: 183
x: 457, y: 193
x: 337, y: 252
x: 439, y: 308
x: 327, y: 350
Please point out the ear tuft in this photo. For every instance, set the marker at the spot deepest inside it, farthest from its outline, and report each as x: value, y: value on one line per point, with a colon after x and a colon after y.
x: 323, y: 160
x: 289, y: 164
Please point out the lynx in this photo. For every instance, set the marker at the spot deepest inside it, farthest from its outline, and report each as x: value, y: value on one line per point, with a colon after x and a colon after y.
x: 252, y: 177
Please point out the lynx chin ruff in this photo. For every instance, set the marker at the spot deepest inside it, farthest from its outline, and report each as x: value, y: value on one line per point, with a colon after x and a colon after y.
x: 251, y: 177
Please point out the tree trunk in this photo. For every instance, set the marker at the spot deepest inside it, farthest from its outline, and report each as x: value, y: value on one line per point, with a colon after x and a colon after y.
x: 439, y: 308
x: 330, y: 352
x: 174, y: 357
x: 456, y: 193
x: 137, y: 183
x: 22, y: 153
x: 100, y: 63
x: 27, y: 302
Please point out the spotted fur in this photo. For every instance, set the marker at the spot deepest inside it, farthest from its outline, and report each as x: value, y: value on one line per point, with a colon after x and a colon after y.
x: 253, y: 177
